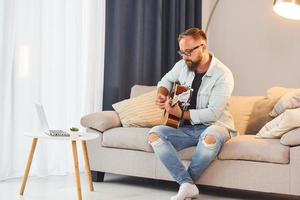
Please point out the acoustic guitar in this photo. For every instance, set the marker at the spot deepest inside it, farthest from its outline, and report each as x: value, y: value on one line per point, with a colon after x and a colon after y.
x: 182, y: 95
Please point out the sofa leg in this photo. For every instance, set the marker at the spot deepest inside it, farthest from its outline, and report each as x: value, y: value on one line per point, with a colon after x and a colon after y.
x: 97, y: 176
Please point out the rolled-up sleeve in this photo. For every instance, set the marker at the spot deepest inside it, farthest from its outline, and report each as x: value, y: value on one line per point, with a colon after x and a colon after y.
x: 172, y: 76
x: 217, y: 101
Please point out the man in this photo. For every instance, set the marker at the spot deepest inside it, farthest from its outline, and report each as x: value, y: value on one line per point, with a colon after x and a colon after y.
x: 208, y: 123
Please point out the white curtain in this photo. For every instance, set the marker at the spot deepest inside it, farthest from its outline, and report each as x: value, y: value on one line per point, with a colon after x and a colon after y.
x: 52, y: 52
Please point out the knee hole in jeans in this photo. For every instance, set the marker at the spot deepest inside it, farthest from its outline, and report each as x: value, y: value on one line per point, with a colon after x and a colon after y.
x: 154, y: 139
x: 209, y: 141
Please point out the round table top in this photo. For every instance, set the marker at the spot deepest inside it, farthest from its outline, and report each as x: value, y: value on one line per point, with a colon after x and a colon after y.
x: 83, y: 136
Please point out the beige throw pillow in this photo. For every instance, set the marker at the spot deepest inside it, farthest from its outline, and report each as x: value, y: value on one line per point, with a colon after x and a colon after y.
x: 277, y: 92
x: 285, y: 122
x: 241, y: 108
x: 288, y: 101
x: 140, y: 111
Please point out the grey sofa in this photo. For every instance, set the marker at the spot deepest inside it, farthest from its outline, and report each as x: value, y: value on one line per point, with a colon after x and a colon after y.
x: 264, y: 165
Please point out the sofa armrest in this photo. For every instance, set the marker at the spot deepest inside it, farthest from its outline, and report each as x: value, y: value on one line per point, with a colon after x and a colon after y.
x: 101, y: 121
x: 291, y: 138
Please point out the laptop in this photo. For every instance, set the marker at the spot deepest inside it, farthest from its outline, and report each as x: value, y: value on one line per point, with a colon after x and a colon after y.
x: 44, y: 123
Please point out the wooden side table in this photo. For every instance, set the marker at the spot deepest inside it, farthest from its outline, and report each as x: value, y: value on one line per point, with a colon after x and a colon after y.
x: 83, y: 138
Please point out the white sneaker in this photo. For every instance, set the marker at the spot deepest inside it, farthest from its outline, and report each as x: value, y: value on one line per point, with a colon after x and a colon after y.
x: 186, y: 191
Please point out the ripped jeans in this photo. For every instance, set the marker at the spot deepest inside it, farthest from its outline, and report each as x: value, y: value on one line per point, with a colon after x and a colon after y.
x: 172, y: 140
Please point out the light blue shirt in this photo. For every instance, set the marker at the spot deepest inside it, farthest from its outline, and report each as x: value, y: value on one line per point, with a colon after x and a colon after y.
x: 213, y: 95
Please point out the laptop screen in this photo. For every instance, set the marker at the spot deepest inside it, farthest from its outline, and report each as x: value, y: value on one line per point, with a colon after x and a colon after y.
x: 42, y: 117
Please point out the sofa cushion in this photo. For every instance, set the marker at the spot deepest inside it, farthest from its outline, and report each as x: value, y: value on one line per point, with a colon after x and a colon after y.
x: 138, y: 90
x: 285, y: 122
x: 140, y: 111
x: 135, y: 139
x: 187, y: 153
x: 244, y: 147
x: 241, y: 108
x: 291, y: 138
x: 127, y: 138
x: 247, y: 147
x: 260, y: 114
x: 288, y: 101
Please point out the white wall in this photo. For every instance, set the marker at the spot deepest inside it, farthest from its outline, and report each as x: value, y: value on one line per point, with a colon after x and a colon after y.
x: 261, y: 48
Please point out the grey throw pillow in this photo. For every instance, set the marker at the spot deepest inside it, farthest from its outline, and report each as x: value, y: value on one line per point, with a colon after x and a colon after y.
x: 291, y: 138
x: 288, y: 101
x: 260, y: 115
x: 101, y: 121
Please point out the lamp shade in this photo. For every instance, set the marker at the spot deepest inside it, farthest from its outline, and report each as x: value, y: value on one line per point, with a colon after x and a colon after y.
x: 287, y: 8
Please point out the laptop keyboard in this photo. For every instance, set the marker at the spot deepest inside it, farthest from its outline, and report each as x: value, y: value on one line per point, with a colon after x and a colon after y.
x: 58, y: 133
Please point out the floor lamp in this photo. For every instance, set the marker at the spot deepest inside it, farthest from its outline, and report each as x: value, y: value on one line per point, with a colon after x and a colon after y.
x: 286, y: 8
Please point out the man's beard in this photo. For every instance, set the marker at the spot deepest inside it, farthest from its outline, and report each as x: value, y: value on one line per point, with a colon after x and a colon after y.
x: 193, y: 65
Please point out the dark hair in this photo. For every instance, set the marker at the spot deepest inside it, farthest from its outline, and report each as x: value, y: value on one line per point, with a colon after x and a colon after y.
x: 196, y: 33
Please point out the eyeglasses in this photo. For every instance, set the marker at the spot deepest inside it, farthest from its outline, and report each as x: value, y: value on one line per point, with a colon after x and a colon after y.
x: 188, y: 52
